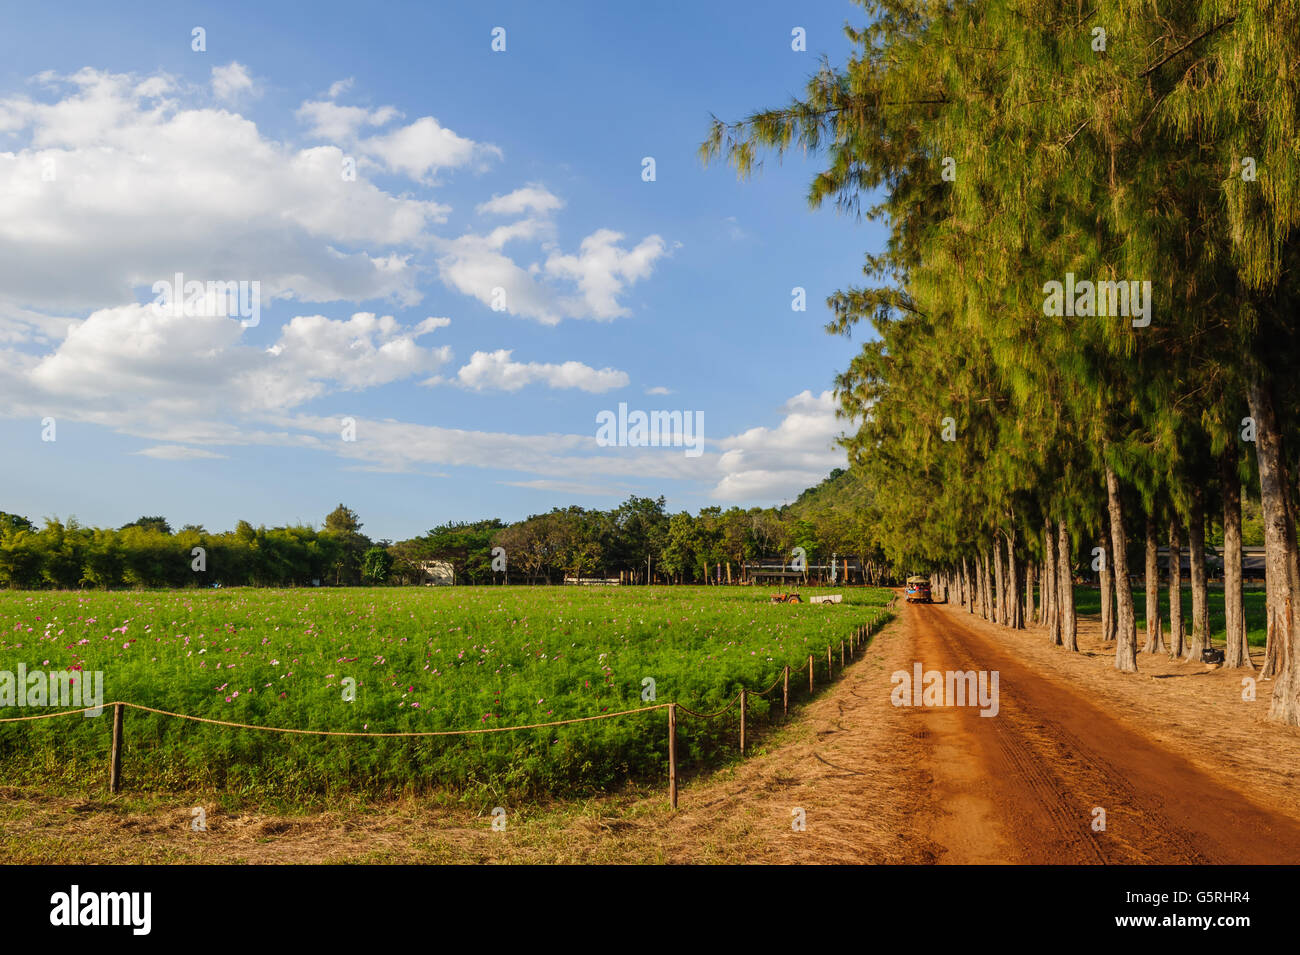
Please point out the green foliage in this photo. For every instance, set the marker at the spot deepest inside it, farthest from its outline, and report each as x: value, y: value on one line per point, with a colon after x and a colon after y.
x: 1002, y: 147
x: 158, y: 525
x: 376, y: 564
x: 638, y: 539
x: 1087, y: 600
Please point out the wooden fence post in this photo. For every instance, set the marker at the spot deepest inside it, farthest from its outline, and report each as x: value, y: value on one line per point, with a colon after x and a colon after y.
x: 115, y: 757
x: 830, y: 670
x: 785, y: 692
x: 742, y: 721
x: 841, y: 654
x: 672, y: 754
x: 810, y: 673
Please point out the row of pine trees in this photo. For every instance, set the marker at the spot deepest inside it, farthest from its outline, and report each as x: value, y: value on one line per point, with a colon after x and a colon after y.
x: 1012, y: 410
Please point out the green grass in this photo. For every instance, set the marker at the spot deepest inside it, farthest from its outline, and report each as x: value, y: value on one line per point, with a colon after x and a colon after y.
x: 422, y: 659
x: 1087, y: 600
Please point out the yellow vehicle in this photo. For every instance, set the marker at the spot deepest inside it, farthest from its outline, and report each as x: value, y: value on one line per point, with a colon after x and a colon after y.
x: 918, y: 589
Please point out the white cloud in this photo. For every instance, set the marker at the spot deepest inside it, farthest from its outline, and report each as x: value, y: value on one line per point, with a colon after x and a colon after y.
x: 477, y: 265
x: 602, y: 270
x: 496, y: 370
x: 116, y: 370
x: 424, y: 147
x: 182, y: 378
x: 658, y: 390
x: 339, y: 87
x: 777, y: 463
x: 407, y: 447
x: 177, y: 452
x: 24, y: 325
x: 362, y: 352
x: 140, y: 192
x: 431, y: 325
x: 231, y: 81
x: 340, y: 124
x: 533, y: 198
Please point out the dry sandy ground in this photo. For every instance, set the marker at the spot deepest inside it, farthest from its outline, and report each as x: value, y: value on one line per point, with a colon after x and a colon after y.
x: 1185, y: 770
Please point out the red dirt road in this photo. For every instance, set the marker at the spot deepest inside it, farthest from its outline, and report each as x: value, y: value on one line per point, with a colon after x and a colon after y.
x: 1022, y: 786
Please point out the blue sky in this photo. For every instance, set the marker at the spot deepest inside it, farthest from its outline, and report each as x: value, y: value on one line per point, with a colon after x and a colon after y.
x: 126, y: 156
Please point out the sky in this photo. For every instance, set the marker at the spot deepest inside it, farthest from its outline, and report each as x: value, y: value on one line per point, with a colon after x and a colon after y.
x: 455, y: 261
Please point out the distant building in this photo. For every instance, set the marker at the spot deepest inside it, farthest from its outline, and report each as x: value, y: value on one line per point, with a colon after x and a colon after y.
x: 438, y: 573
x: 847, y: 570
x: 1252, y: 562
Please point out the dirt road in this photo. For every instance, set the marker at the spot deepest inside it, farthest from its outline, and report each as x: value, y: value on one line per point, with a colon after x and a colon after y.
x: 1025, y: 785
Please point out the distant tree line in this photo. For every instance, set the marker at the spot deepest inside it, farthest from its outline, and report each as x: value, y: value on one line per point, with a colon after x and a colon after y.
x: 638, y: 541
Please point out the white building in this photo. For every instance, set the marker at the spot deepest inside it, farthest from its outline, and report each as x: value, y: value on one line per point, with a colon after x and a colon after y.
x: 438, y: 573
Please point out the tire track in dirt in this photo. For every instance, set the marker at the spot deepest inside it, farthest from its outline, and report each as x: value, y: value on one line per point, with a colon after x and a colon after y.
x: 1050, y: 756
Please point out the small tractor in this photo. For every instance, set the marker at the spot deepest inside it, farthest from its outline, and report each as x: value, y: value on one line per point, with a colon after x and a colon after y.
x: 790, y: 598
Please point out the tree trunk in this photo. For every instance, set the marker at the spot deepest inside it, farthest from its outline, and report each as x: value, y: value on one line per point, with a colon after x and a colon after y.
x: 1200, y: 602
x: 1126, y: 632
x: 1155, y: 642
x: 1237, y: 652
x: 1065, y: 589
x: 1014, y: 618
x: 1009, y: 581
x: 967, y: 598
x: 999, y: 581
x: 1175, y: 588
x: 1029, y: 593
x: 1282, y: 568
x: 1105, y: 579
x: 1050, y: 586
x: 990, y: 606
x: 986, y: 586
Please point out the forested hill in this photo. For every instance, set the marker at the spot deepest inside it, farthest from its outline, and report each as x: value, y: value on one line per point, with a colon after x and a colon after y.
x: 843, y: 490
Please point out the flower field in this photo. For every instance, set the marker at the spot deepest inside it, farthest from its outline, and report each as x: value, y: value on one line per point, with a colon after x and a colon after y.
x: 414, y: 660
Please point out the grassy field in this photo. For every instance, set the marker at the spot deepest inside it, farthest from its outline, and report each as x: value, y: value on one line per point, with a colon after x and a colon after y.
x: 422, y: 659
x: 1088, y: 601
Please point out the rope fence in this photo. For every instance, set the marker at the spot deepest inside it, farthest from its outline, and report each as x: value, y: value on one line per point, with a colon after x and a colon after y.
x: 859, y: 637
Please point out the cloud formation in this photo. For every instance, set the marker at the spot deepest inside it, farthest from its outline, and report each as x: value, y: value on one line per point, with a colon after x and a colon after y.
x: 497, y: 371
